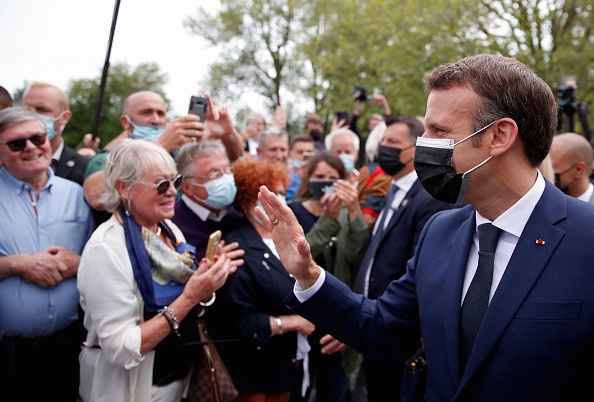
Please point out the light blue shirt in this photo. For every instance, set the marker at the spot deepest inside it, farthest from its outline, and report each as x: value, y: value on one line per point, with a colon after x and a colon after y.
x: 63, y: 219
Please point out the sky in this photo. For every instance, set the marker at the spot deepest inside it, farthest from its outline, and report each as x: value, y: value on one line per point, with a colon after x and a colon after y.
x: 60, y: 40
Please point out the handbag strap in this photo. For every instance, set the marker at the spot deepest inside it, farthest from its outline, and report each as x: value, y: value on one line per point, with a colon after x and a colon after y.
x: 208, y: 355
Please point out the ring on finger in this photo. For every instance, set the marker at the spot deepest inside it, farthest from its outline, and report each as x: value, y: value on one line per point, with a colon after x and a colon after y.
x: 275, y: 222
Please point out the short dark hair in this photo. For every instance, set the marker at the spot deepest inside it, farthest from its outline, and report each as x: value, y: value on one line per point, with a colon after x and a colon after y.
x: 415, y: 127
x: 508, y: 88
x: 300, y: 138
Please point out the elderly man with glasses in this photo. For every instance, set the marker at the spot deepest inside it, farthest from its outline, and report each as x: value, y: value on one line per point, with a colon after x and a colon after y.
x: 208, y: 192
x: 44, y: 226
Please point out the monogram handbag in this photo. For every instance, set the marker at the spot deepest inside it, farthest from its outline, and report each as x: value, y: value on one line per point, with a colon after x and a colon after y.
x: 210, y: 381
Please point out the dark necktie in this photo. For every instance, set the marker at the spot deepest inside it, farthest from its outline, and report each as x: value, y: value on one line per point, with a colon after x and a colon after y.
x: 361, y: 282
x: 387, y: 206
x: 477, y: 298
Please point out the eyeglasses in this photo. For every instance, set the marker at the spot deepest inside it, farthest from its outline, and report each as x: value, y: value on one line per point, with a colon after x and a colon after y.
x: 19, y: 144
x: 163, y: 185
x: 213, y: 175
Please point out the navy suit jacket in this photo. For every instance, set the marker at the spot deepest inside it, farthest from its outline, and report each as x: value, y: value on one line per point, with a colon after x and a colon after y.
x: 536, y: 342
x: 72, y: 165
x: 257, y: 362
x: 398, y: 242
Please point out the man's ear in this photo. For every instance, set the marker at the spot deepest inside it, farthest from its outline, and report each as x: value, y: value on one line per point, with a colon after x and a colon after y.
x: 67, y: 116
x: 125, y: 123
x: 504, y: 136
x: 580, y: 168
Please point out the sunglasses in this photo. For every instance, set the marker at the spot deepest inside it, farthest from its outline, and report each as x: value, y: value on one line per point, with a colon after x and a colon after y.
x: 19, y: 144
x: 163, y: 185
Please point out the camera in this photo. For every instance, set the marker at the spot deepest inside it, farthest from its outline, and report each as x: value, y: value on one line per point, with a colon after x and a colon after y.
x: 342, y: 115
x: 361, y: 94
x: 566, y: 93
x: 198, y: 106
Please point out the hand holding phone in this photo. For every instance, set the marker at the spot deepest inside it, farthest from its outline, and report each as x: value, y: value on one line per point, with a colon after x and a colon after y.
x: 198, y: 106
x: 213, y: 241
x: 319, y: 188
x: 340, y: 116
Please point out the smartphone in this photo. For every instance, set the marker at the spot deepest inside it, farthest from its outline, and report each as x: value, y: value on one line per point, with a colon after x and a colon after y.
x: 319, y: 188
x: 213, y: 241
x: 198, y: 106
x: 342, y: 115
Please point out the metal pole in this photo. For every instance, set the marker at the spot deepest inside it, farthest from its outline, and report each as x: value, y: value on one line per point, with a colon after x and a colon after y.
x: 98, y: 113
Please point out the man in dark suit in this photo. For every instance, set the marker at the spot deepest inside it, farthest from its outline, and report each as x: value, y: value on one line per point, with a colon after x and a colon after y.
x: 51, y: 105
x: 571, y: 157
x: 489, y: 123
x: 404, y: 212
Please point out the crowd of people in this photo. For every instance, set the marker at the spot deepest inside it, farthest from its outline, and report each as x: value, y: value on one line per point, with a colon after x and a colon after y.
x: 313, y: 292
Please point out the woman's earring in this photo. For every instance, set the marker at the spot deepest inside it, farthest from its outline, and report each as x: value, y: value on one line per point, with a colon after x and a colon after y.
x: 128, y: 206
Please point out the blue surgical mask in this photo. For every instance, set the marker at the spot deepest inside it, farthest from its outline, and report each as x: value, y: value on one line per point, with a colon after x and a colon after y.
x: 348, y: 161
x: 147, y: 132
x: 48, y: 123
x: 221, y: 192
x: 297, y: 163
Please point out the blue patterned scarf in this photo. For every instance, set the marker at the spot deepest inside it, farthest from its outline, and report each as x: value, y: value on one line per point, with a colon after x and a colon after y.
x: 160, y: 272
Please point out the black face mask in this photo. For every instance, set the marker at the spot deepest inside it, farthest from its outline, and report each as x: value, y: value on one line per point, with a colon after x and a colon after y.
x: 389, y: 159
x: 434, y: 164
x: 438, y: 176
x: 315, y: 135
x: 558, y: 181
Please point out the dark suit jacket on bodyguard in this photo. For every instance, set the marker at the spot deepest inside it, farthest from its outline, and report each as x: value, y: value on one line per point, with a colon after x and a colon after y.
x: 257, y: 362
x: 72, y: 165
x: 536, y: 342
x: 398, y: 241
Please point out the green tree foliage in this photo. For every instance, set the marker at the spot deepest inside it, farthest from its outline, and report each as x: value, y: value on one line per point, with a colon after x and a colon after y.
x: 122, y: 81
x: 380, y: 46
x: 554, y: 37
x: 323, y: 48
x: 256, y: 40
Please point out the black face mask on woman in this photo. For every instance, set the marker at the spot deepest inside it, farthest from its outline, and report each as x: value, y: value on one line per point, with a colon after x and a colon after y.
x: 434, y: 166
x: 389, y: 159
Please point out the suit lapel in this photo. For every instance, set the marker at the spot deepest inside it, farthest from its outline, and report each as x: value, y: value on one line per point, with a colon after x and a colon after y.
x: 66, y: 162
x: 453, y: 291
x: 398, y: 212
x: 524, y: 268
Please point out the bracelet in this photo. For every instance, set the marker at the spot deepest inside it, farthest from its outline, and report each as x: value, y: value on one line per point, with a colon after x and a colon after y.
x: 173, y: 323
x: 211, y: 301
x: 279, y: 324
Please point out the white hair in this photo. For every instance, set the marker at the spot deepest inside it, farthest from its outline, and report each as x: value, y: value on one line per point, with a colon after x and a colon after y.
x: 128, y: 162
x: 373, y: 141
x: 342, y: 131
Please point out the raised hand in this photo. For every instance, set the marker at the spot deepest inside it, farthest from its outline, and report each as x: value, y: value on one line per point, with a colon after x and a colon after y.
x: 288, y: 237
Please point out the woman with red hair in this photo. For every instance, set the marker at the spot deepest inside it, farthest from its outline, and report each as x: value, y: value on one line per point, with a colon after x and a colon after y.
x: 272, y: 342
